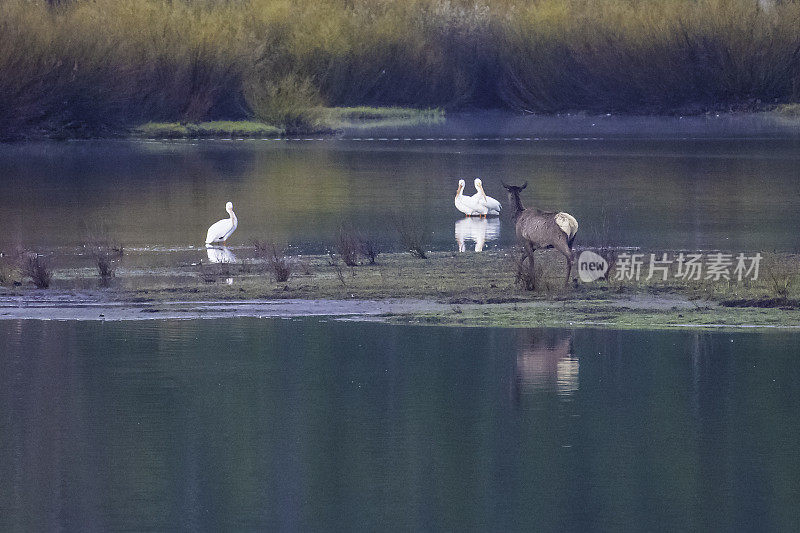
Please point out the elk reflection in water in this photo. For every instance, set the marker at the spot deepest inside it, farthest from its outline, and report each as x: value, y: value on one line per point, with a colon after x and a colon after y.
x: 477, y: 230
x: 545, y: 362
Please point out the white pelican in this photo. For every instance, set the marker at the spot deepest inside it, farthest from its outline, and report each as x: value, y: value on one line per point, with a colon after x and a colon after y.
x: 220, y: 231
x: 467, y: 204
x: 493, y: 206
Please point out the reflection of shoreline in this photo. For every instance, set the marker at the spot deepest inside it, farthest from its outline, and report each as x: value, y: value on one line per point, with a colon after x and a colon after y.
x: 220, y: 254
x: 478, y: 230
x: 545, y: 362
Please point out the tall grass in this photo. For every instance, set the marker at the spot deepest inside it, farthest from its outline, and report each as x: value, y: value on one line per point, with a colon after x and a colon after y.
x: 658, y: 56
x: 85, y: 66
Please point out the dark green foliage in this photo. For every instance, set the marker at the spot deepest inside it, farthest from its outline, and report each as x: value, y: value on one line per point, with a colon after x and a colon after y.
x: 89, y: 67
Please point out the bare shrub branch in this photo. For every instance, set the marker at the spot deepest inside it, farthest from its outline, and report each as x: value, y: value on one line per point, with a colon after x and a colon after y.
x: 779, y: 274
x: 414, y: 236
x: 36, y: 267
x: 275, y: 259
x: 105, y: 251
x: 605, y: 240
x: 347, y: 246
x: 6, y: 271
x: 369, y: 249
x: 337, y: 268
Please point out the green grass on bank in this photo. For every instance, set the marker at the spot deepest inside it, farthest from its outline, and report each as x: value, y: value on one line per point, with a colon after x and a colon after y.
x: 458, y: 278
x: 788, y: 110
x: 326, y: 119
x: 366, y: 113
x: 226, y: 128
x: 477, y: 290
x: 366, y: 118
x: 615, y: 314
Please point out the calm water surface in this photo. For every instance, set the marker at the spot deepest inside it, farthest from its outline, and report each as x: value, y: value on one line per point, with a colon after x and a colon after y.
x: 250, y: 424
x: 707, y: 183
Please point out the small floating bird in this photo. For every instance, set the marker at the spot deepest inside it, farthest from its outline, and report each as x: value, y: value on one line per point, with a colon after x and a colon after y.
x: 493, y: 207
x: 220, y: 231
x: 468, y: 204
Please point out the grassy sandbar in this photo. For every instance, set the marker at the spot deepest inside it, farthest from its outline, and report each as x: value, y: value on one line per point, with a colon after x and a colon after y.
x: 325, y: 120
x: 222, y: 128
x: 476, y: 289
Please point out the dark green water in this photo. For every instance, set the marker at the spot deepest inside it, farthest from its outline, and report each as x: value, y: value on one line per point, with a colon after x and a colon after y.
x: 247, y: 424
x: 698, y: 183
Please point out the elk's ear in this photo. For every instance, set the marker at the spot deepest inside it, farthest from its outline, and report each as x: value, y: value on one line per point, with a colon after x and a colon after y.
x: 503, y: 183
x: 524, y: 185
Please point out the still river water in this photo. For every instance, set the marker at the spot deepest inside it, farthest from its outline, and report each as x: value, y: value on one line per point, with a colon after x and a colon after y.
x: 248, y: 424
x: 729, y: 183
x: 308, y: 425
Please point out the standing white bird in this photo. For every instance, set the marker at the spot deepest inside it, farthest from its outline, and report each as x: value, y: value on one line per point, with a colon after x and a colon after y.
x: 220, y: 231
x: 467, y: 204
x: 493, y: 207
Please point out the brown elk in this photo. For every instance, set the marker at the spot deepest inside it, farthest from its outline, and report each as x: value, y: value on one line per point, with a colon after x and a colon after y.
x: 542, y: 229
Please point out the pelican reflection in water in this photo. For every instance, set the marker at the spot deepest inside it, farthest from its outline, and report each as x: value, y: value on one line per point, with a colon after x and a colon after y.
x: 477, y: 230
x: 220, y: 254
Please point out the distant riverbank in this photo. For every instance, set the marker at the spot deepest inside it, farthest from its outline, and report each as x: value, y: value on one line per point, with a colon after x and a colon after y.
x: 99, y: 68
x: 367, y: 122
x: 317, y: 121
x: 362, y: 122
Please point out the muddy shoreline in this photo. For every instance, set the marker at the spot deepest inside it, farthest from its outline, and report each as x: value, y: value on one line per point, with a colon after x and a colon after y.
x: 635, y: 312
x: 69, y: 306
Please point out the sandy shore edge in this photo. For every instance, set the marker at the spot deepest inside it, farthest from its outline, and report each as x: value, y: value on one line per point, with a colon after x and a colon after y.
x: 635, y: 312
x: 67, y: 307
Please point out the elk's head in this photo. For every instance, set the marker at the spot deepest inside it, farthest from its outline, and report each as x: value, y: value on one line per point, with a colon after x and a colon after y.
x: 513, y: 192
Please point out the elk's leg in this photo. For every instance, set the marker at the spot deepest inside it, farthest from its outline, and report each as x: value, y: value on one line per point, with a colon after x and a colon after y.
x: 528, y: 251
x: 569, y: 270
x: 563, y: 247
